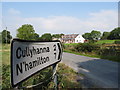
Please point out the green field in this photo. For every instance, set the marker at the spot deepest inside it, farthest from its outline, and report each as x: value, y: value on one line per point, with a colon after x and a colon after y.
x: 0, y: 46
x: 5, y: 54
x: 6, y: 46
x: 71, y: 44
x: 105, y: 42
x: 6, y: 57
x: 98, y: 42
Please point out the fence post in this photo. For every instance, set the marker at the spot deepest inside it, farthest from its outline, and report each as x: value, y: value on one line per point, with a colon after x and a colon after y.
x: 20, y: 86
x: 15, y: 88
x: 54, y: 75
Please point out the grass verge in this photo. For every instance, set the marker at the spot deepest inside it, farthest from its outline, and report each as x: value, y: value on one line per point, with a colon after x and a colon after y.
x: 84, y: 54
x: 67, y: 78
x: 108, y: 57
x: 111, y: 58
x: 105, y: 42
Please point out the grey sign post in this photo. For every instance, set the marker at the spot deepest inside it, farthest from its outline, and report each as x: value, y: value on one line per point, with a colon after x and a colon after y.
x: 29, y: 57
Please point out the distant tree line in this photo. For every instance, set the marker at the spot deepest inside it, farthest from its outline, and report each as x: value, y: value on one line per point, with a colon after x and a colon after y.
x: 27, y: 32
x: 96, y: 35
x: 114, y: 34
x: 93, y: 35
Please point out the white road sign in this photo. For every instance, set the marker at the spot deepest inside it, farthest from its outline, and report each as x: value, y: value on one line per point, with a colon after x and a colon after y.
x: 29, y: 57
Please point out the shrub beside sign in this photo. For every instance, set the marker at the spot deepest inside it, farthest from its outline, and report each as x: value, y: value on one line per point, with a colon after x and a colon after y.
x: 29, y: 57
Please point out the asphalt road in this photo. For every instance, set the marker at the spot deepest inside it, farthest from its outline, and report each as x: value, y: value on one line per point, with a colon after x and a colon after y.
x: 101, y: 72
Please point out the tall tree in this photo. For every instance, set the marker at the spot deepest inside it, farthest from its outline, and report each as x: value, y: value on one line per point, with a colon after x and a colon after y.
x: 6, y: 37
x: 0, y: 37
x: 95, y: 35
x: 26, y: 32
x: 46, y: 37
x: 114, y: 34
x: 57, y: 35
x: 36, y: 36
x: 105, y: 35
x: 87, y: 36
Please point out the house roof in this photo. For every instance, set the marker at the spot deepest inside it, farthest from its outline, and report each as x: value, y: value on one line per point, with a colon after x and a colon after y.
x: 67, y: 38
x: 70, y: 36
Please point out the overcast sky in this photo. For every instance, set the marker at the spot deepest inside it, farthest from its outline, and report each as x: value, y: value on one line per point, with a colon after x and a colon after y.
x: 60, y: 17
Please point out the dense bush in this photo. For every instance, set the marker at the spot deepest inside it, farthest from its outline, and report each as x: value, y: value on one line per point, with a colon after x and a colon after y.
x: 117, y: 42
x: 63, y: 45
x: 69, y: 46
x: 6, y: 76
x: 86, y: 47
x: 104, y: 51
x: 109, y: 51
x: 65, y: 79
x: 37, y: 78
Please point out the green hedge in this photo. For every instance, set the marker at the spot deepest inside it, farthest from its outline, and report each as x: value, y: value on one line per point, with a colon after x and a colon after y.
x: 86, y: 47
x: 117, y: 42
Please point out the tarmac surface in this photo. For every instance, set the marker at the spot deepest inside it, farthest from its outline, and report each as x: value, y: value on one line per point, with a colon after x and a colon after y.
x: 100, y: 72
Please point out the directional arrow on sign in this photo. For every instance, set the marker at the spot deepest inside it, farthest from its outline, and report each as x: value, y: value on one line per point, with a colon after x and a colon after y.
x: 60, y: 51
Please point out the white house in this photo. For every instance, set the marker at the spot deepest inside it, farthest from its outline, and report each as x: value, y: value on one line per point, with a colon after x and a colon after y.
x: 72, y: 38
x: 79, y: 39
